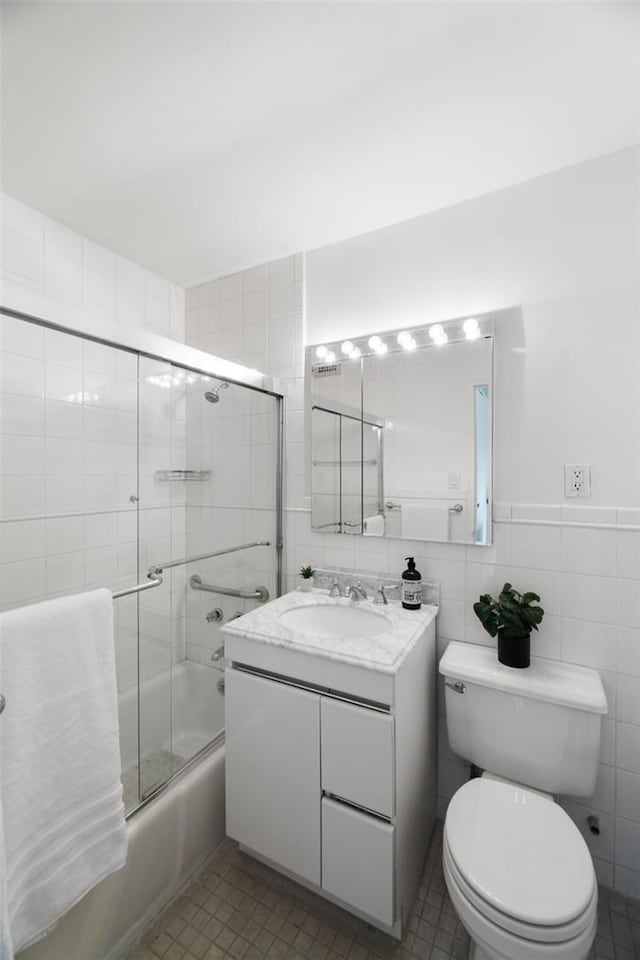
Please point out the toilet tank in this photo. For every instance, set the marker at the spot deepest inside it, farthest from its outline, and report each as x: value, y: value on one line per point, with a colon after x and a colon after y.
x: 539, y: 726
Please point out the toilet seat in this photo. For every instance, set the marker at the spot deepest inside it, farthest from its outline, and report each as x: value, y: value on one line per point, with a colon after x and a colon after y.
x: 538, y: 934
x: 520, y: 861
x: 499, y: 944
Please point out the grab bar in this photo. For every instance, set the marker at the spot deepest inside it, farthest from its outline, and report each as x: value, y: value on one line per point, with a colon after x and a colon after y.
x: 260, y: 593
x: 155, y: 580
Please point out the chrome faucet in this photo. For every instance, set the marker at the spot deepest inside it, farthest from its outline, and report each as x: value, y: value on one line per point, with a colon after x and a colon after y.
x: 357, y: 592
x: 336, y: 589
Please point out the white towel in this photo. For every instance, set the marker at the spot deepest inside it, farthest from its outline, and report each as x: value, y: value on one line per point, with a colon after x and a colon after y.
x: 374, y: 526
x: 61, y: 802
x: 421, y: 522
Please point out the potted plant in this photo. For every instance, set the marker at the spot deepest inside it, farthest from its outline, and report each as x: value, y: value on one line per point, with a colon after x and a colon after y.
x: 305, y: 579
x: 511, y: 618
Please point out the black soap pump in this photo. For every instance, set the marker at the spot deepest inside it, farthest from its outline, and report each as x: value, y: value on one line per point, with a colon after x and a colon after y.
x: 411, y: 586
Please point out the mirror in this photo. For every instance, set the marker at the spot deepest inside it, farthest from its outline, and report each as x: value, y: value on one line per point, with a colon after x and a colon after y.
x: 401, y: 431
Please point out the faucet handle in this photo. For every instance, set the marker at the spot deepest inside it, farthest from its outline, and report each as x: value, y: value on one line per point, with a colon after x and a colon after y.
x: 381, y: 596
x: 335, y: 590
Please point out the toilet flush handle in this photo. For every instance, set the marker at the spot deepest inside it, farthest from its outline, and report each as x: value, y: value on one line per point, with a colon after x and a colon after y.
x: 458, y: 686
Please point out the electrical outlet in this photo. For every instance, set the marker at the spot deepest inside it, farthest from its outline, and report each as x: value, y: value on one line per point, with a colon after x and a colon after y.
x: 577, y: 480
x: 454, y: 481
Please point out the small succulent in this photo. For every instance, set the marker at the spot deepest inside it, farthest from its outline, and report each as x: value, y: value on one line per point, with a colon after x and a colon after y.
x: 307, y: 572
x: 512, y: 615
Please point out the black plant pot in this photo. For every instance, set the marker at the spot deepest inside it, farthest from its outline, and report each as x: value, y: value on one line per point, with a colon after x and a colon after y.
x: 514, y: 651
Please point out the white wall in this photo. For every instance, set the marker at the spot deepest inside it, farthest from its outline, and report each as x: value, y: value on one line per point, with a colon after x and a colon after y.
x: 563, y: 252
x: 53, y: 272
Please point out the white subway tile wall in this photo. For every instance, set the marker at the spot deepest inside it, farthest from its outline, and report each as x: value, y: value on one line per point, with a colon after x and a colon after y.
x: 588, y: 578
x: 46, y: 257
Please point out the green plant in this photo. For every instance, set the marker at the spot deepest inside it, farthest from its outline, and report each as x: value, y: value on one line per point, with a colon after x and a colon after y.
x: 512, y: 615
x: 307, y: 572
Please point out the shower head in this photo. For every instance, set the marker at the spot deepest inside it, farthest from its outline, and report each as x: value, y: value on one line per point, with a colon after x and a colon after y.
x: 213, y: 396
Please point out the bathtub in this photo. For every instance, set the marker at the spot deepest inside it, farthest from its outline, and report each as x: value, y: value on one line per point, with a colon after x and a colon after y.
x: 171, y: 834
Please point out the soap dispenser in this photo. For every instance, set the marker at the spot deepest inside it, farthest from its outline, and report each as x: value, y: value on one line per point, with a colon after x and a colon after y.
x: 411, y: 586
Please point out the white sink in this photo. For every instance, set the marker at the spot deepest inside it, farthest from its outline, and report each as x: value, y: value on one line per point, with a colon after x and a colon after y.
x: 335, y: 620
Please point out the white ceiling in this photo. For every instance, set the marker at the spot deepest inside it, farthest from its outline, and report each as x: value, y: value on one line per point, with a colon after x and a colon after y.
x: 201, y: 138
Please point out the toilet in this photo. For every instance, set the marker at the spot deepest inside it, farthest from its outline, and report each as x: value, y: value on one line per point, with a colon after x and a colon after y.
x: 517, y: 869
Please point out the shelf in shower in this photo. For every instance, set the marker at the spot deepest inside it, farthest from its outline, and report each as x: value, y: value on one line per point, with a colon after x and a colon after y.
x: 182, y: 475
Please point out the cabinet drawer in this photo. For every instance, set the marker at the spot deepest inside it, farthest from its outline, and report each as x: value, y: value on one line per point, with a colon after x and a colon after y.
x: 357, y: 755
x: 358, y: 860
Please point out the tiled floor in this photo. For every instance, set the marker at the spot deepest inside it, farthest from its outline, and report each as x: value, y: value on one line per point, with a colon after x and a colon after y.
x: 238, y: 909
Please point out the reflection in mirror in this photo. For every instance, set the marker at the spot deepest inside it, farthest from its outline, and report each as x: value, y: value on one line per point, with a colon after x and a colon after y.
x: 401, y: 437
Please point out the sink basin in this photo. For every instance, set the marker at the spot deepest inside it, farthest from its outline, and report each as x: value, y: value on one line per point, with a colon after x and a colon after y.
x: 333, y: 620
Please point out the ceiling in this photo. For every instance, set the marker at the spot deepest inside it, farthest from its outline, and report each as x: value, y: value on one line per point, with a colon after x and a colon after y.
x: 199, y: 138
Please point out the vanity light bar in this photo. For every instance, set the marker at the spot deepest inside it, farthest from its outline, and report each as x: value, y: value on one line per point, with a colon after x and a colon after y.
x: 435, y: 335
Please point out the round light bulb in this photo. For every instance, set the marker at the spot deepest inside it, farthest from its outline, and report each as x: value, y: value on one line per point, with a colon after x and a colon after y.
x: 356, y: 353
x: 322, y: 352
x: 347, y: 348
x: 437, y: 333
x: 330, y: 357
x: 375, y: 342
x: 471, y: 328
x: 404, y: 338
x: 382, y: 348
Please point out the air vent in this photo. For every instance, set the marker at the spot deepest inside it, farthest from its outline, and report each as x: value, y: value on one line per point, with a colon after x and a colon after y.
x: 325, y: 369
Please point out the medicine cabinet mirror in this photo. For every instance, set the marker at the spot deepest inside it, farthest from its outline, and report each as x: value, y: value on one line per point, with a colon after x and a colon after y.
x: 400, y: 425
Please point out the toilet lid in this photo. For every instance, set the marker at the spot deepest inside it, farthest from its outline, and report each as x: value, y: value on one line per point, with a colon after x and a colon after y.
x: 519, y: 851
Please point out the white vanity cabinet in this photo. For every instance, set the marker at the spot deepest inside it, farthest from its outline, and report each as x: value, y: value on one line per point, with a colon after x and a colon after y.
x: 330, y: 769
x: 273, y: 771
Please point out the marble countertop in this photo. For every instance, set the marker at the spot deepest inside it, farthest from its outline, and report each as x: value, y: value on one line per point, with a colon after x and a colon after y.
x: 383, y: 652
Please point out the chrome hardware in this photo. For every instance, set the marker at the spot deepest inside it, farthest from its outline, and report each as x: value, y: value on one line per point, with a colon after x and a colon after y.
x: 220, y: 686
x: 215, y: 615
x: 260, y: 593
x: 234, y: 616
x: 458, y: 508
x: 336, y: 589
x: 593, y: 822
x: 3, y: 702
x: 182, y: 475
x: 155, y: 580
x: 133, y: 498
x: 390, y: 505
x: 218, y: 654
x: 357, y: 592
x: 207, y: 556
x: 381, y: 596
x: 458, y: 686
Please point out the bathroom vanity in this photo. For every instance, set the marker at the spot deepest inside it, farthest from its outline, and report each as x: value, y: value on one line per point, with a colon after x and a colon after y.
x: 330, y: 747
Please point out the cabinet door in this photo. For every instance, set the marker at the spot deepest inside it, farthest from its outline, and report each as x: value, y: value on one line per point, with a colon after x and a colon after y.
x: 357, y: 755
x: 273, y: 771
x: 358, y: 860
